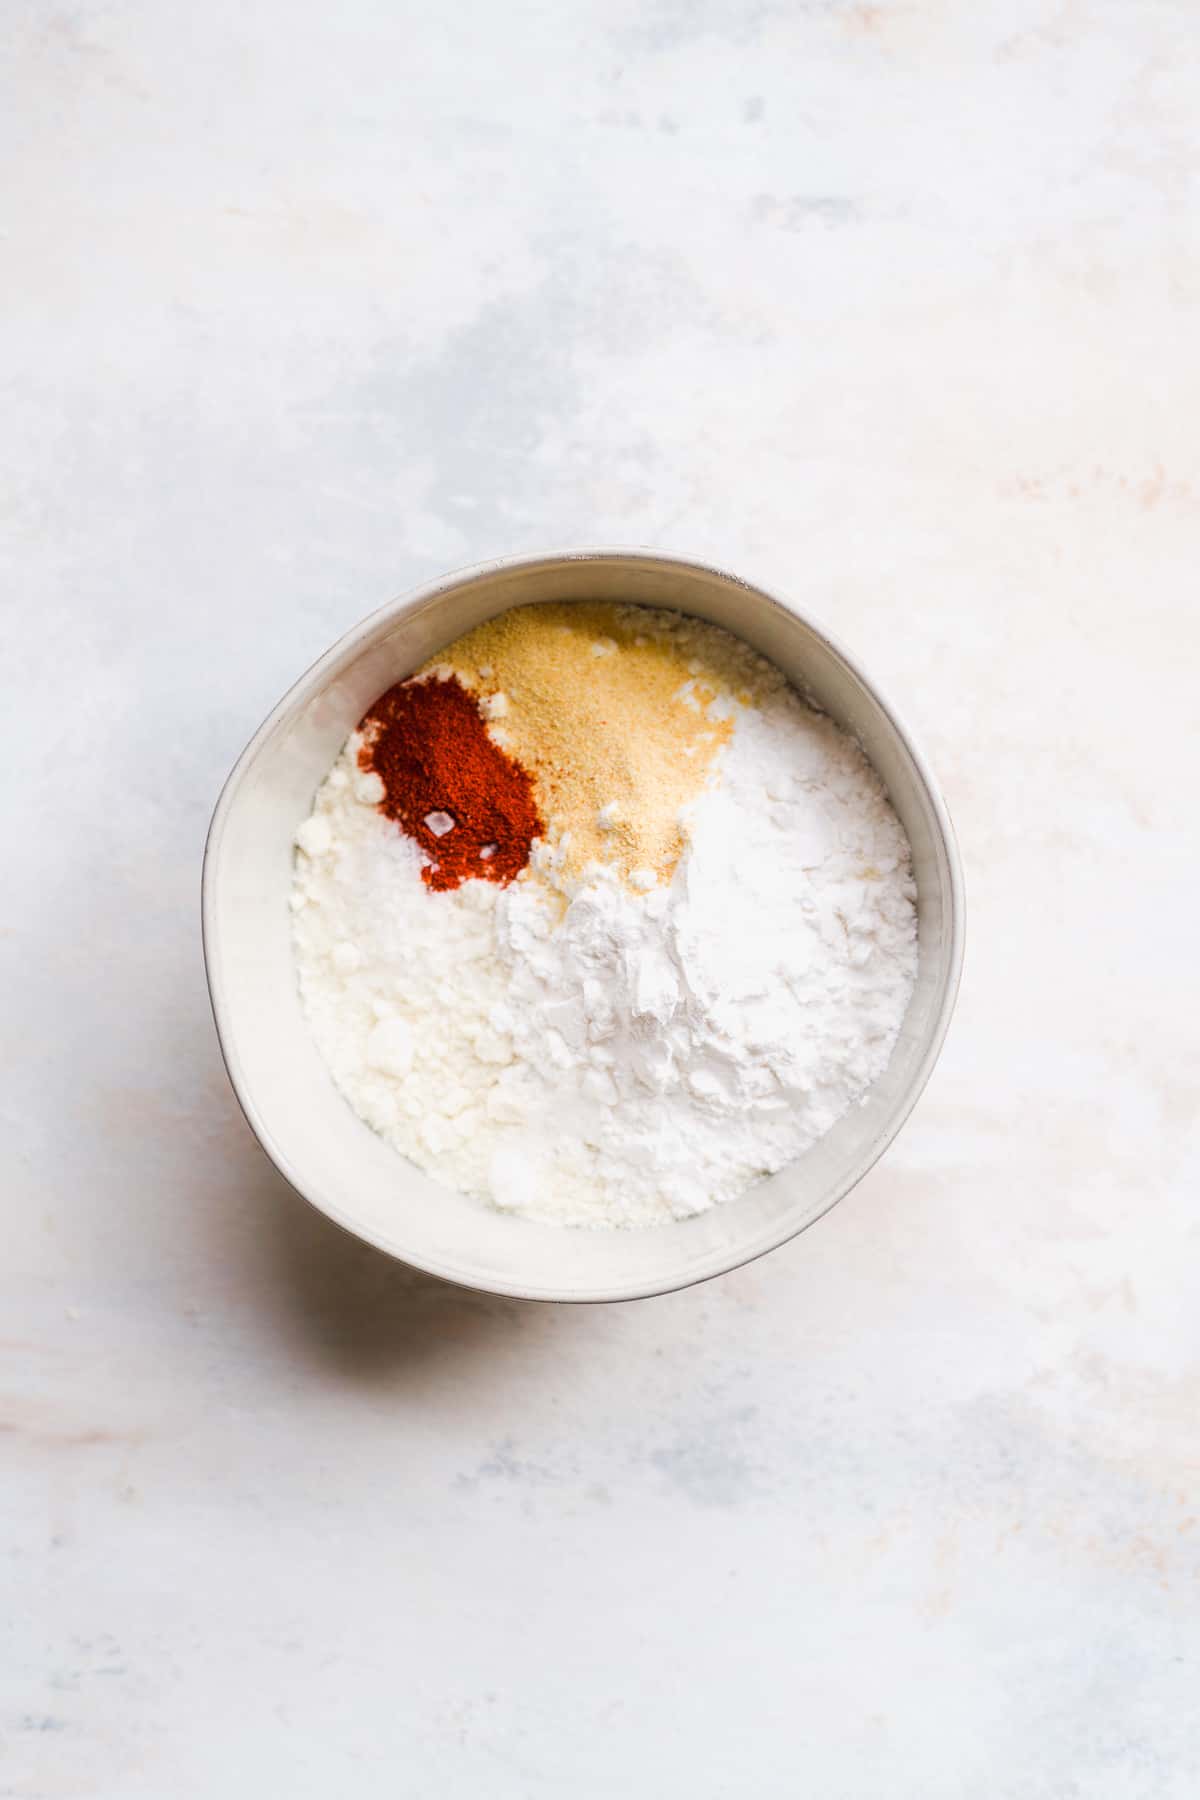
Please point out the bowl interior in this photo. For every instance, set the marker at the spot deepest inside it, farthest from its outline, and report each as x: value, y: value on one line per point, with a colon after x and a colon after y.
x: 310, y: 1132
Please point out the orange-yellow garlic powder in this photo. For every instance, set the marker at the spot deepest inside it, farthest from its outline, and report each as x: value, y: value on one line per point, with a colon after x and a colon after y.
x: 618, y: 714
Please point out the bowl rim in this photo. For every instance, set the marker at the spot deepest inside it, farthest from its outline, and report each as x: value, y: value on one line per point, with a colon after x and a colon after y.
x: 343, y: 652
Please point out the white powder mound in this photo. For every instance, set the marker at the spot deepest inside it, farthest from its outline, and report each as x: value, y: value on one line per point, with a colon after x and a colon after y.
x: 618, y: 1058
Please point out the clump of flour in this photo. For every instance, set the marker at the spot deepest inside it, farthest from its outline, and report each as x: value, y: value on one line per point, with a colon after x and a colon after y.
x: 604, y: 1053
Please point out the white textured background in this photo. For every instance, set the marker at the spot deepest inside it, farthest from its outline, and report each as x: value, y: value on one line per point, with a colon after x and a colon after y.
x: 893, y: 305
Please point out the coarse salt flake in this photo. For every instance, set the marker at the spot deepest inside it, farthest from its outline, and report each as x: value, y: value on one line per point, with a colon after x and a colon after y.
x: 315, y: 836
x: 368, y: 787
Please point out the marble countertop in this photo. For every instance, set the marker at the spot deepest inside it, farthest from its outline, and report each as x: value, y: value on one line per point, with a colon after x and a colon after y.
x: 893, y: 306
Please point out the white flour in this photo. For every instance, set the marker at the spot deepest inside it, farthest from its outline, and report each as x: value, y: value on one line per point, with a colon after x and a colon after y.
x: 619, y: 1058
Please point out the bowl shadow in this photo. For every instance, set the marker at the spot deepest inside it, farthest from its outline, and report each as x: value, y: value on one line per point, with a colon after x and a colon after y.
x: 349, y: 1308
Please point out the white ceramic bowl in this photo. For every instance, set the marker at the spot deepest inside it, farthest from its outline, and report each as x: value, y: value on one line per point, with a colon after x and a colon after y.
x: 302, y: 1122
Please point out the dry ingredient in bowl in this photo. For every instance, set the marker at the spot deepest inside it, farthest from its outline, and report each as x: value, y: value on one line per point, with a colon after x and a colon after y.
x: 467, y: 804
x: 595, y: 919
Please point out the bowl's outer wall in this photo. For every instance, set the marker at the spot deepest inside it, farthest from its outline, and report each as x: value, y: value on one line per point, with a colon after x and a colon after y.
x: 308, y: 1129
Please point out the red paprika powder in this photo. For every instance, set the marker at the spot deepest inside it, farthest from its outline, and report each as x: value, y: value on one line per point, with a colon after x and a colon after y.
x: 428, y: 743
